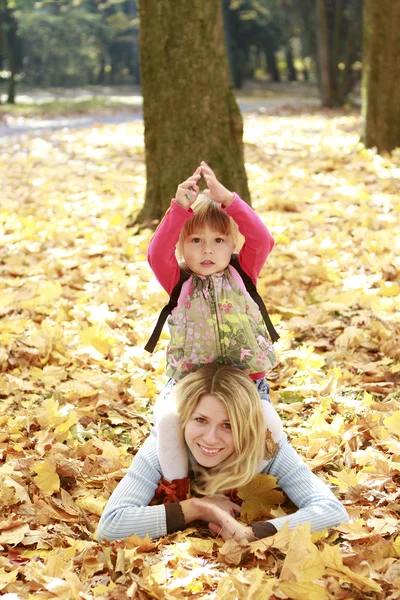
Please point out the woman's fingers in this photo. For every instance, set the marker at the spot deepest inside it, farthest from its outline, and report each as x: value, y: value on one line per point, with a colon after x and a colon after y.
x: 215, y: 528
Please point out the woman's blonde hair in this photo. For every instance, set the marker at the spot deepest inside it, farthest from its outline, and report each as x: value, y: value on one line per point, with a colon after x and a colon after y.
x: 243, y: 404
x: 207, y: 213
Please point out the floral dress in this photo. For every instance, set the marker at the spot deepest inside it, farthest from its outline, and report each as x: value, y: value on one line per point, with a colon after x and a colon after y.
x: 217, y: 321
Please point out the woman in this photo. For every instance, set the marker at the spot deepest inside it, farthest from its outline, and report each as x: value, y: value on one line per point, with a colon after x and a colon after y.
x: 224, y: 430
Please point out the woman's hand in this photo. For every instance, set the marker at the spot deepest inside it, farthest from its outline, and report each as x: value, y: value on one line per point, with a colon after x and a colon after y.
x: 215, y: 189
x: 229, y: 528
x: 219, y: 512
x: 188, y: 190
x: 209, y: 508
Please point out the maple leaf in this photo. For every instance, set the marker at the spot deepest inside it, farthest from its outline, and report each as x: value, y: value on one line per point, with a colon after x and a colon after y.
x: 303, y: 561
x: 233, y: 552
x: 200, y: 547
x: 145, y: 544
x: 303, y: 590
x: 259, y: 496
x: 334, y: 565
x: 47, y: 478
x: 7, y: 577
x: 393, y: 423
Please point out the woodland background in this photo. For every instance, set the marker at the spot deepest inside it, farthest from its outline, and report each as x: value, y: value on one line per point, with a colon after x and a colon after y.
x: 78, y: 299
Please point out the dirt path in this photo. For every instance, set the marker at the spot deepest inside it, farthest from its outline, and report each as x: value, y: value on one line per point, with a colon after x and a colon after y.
x: 256, y: 98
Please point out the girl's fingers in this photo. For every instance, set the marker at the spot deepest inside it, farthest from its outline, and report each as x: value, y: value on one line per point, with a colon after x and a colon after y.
x: 197, y: 172
x: 205, y: 169
x: 187, y: 184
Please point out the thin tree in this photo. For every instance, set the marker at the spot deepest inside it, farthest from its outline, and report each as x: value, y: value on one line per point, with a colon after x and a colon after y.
x: 339, y: 33
x: 9, y: 46
x: 381, y: 75
x: 189, y: 108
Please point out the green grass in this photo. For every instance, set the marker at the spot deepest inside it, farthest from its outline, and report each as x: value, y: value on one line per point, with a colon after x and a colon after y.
x: 64, y: 107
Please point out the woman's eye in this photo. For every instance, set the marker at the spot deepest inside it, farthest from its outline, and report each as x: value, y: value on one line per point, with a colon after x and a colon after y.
x: 200, y: 420
x: 227, y: 426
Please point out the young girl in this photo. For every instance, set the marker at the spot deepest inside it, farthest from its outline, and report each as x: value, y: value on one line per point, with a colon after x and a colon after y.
x: 215, y: 318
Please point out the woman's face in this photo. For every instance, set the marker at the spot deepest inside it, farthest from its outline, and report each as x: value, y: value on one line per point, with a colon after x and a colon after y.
x: 208, y: 432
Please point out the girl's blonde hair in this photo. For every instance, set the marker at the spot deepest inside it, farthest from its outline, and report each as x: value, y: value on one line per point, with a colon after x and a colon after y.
x: 207, y: 213
x: 243, y: 404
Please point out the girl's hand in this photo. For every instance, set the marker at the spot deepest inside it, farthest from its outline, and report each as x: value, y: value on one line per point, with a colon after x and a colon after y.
x: 188, y: 191
x: 215, y: 189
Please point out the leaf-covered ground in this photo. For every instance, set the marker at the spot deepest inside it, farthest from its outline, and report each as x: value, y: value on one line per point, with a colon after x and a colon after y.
x: 77, y: 303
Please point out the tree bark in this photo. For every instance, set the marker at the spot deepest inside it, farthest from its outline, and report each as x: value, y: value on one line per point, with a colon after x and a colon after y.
x: 325, y: 79
x: 291, y: 71
x: 272, y: 66
x: 381, y: 75
x: 189, y: 108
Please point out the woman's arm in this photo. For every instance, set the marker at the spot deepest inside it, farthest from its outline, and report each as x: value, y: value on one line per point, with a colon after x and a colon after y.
x: 313, y: 497
x: 127, y: 511
x: 258, y: 240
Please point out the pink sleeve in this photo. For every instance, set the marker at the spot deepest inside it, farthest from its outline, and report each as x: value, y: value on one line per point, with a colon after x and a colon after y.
x: 161, y: 251
x: 258, y: 240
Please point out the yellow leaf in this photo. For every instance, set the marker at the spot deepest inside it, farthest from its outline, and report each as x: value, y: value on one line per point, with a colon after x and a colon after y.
x: 92, y: 504
x: 258, y: 496
x: 333, y: 562
x: 7, y: 578
x: 232, y: 552
x: 303, y: 590
x: 305, y: 565
x: 100, y: 339
x: 200, y: 547
x: 389, y: 289
x: 141, y: 544
x: 102, y: 590
x: 47, y: 478
x: 396, y: 547
x: 14, y: 535
x: 345, y: 479
x: 393, y: 423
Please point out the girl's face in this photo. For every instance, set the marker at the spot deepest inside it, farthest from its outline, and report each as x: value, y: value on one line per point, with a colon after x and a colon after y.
x: 207, y: 252
x: 208, y: 432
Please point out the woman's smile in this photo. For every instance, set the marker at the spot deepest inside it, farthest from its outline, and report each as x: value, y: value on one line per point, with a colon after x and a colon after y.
x: 209, y: 451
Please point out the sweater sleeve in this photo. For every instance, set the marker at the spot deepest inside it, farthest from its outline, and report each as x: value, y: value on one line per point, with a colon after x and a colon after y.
x: 258, y: 240
x: 127, y: 511
x: 315, y: 500
x: 161, y: 251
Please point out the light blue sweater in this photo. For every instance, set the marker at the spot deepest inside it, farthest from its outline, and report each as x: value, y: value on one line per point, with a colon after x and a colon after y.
x: 128, y: 511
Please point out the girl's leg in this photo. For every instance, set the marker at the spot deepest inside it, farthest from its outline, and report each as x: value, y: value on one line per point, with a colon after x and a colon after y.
x: 272, y: 419
x: 170, y: 441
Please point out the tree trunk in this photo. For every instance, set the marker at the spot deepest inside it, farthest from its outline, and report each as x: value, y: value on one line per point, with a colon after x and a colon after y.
x: 291, y: 71
x: 8, y: 38
x: 325, y: 75
x: 381, y: 75
x: 189, y: 109
x: 272, y: 66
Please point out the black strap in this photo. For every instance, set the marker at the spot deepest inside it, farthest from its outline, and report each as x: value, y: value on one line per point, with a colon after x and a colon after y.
x: 173, y: 301
x: 166, y: 311
x: 251, y: 288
